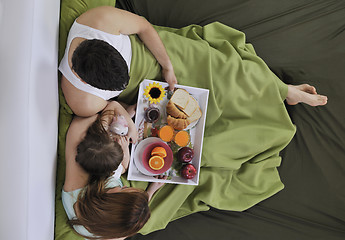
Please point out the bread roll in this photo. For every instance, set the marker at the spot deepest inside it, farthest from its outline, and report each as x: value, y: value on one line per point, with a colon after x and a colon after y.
x: 174, y: 111
x: 177, y: 123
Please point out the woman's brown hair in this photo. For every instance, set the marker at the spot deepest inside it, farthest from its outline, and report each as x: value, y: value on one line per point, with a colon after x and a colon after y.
x: 111, y: 215
x: 97, y: 153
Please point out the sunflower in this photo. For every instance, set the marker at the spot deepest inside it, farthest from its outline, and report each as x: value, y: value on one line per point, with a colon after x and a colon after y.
x: 154, y: 92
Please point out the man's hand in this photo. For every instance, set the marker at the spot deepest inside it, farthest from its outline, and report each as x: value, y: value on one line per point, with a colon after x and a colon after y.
x: 169, y: 77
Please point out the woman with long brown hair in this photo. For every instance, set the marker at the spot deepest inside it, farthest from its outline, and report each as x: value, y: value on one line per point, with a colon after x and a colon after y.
x: 96, y: 202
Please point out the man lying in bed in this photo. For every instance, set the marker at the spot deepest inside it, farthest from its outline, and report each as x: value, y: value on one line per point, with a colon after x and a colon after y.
x: 95, y: 71
x: 98, y: 70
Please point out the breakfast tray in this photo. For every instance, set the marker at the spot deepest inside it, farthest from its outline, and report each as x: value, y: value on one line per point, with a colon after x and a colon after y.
x: 149, y: 133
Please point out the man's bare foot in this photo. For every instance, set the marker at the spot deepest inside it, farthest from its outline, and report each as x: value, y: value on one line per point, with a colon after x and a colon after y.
x: 131, y: 110
x: 304, y: 93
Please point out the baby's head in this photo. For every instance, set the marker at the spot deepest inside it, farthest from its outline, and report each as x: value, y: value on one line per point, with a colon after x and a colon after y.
x: 97, y: 153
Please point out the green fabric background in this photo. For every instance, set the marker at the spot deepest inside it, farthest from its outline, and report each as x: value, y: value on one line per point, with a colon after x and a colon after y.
x: 247, y: 123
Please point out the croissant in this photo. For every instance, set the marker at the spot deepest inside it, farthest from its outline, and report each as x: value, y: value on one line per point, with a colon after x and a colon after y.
x: 177, y: 123
x: 173, y: 110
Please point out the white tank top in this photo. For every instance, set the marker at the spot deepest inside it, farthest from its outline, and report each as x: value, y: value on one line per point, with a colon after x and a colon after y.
x: 120, y: 42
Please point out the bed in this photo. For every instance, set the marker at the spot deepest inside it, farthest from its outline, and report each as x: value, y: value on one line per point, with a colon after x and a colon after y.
x: 301, y: 42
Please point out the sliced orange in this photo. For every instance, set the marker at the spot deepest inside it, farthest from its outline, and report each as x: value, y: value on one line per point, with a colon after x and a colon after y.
x: 166, y: 133
x: 156, y: 162
x: 159, y: 151
x: 182, y: 138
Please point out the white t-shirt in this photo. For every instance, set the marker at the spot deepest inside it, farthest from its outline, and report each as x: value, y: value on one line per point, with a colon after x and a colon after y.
x: 121, y: 43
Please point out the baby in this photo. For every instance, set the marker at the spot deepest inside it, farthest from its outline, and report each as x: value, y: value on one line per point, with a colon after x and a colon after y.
x: 104, y: 150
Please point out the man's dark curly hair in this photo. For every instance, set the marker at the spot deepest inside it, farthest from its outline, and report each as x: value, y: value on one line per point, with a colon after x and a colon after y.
x: 99, y: 64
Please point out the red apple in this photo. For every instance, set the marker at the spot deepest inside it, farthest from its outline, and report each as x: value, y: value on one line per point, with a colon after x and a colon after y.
x: 185, y: 154
x: 188, y: 171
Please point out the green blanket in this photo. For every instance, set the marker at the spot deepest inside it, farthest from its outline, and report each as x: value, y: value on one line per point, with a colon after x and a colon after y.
x: 247, y: 124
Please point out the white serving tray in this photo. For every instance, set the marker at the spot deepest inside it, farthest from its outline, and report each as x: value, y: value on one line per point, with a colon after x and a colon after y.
x: 196, y: 133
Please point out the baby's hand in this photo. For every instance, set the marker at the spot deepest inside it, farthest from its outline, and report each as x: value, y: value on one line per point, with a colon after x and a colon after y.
x: 123, y: 141
x: 132, y: 135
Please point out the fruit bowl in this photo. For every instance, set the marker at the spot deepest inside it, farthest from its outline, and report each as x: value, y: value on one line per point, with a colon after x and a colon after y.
x: 146, y: 155
x: 141, y: 160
